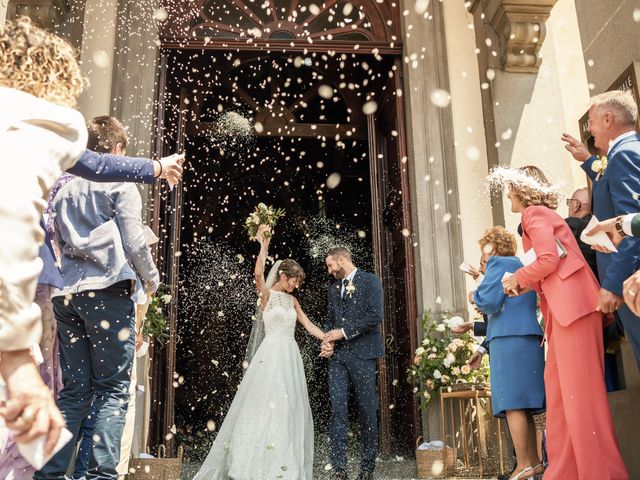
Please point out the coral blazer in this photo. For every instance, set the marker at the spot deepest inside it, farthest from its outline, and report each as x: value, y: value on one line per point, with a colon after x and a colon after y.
x: 567, y: 287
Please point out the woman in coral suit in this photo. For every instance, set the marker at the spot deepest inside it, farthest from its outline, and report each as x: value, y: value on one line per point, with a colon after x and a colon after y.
x: 581, y: 440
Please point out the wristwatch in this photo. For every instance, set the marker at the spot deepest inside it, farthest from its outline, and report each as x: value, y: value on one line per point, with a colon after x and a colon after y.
x: 619, y: 229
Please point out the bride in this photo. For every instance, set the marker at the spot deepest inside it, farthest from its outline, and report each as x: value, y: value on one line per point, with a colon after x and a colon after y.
x: 268, y: 430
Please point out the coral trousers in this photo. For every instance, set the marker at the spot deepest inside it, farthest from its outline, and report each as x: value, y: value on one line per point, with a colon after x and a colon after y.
x: 581, y: 441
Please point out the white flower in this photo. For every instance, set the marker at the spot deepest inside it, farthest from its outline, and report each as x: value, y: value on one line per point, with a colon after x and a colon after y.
x: 452, y: 347
x: 166, y: 298
x: 432, y: 356
x: 455, y: 371
x: 425, y: 341
x: 466, y: 369
x: 445, y: 379
x: 436, y: 374
x: 441, y: 327
x: 449, y: 360
x: 426, y: 395
x: 350, y: 288
x: 420, y: 351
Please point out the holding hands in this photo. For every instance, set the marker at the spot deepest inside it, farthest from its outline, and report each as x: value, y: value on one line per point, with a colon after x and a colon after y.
x: 326, y: 350
x: 329, y: 341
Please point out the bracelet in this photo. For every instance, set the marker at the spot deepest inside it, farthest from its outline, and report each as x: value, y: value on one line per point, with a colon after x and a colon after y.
x: 619, y: 229
x: 159, y: 163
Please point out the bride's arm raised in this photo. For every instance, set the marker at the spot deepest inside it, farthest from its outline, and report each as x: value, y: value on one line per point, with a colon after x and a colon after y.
x: 258, y: 273
x: 308, y: 325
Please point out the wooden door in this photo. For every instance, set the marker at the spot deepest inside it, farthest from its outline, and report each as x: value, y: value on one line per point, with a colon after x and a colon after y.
x: 395, y: 263
x: 166, y: 223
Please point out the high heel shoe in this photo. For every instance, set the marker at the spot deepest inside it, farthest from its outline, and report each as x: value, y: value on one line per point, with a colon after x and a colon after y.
x: 538, y: 471
x: 526, y: 472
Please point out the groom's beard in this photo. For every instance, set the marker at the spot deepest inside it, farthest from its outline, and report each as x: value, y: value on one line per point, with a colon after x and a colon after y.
x: 340, y: 274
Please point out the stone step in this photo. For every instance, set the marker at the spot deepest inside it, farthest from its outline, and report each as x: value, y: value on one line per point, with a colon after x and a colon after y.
x: 391, y: 469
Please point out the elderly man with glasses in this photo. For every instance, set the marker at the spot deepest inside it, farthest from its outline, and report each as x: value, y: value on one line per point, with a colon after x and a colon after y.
x: 579, y: 216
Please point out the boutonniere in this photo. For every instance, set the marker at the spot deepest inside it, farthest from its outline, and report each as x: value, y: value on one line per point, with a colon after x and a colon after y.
x: 599, y: 166
x: 350, y: 288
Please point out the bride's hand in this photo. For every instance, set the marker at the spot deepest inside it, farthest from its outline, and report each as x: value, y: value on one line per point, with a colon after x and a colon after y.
x: 260, y: 235
x: 326, y: 350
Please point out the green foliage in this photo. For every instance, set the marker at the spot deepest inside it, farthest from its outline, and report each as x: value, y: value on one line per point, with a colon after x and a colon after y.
x: 441, y: 360
x: 155, y: 322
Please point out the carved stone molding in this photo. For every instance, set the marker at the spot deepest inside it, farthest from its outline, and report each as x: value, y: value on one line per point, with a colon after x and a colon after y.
x: 520, y: 25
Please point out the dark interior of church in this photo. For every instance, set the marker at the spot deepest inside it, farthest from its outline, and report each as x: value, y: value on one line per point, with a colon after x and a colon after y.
x: 323, y: 183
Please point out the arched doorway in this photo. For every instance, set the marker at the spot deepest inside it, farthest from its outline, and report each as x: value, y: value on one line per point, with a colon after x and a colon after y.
x: 304, y: 72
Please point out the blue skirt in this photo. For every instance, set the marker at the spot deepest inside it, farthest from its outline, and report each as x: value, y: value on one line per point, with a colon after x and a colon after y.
x: 517, y: 374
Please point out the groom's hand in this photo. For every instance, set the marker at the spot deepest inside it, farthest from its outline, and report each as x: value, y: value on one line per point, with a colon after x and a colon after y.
x: 333, y: 335
x: 327, y: 349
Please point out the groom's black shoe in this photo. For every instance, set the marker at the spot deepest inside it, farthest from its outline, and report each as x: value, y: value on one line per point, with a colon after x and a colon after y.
x: 364, y: 475
x: 339, y: 475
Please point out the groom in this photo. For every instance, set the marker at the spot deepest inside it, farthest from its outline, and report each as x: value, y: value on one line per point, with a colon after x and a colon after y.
x: 352, y: 343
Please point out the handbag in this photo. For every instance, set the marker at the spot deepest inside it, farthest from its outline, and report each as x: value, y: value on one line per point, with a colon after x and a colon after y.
x: 160, y: 468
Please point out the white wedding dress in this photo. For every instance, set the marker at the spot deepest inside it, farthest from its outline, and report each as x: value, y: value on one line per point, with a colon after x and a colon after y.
x: 268, y: 431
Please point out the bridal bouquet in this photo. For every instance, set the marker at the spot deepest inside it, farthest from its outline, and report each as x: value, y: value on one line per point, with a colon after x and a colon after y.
x: 441, y: 360
x: 262, y: 215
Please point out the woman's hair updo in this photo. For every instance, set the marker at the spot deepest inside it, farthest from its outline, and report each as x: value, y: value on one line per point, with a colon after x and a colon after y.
x: 291, y: 269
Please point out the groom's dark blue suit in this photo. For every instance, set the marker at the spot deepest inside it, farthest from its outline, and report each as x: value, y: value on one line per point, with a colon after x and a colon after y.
x: 359, y: 313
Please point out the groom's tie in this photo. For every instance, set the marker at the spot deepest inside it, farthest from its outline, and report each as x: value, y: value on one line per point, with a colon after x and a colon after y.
x: 344, y: 288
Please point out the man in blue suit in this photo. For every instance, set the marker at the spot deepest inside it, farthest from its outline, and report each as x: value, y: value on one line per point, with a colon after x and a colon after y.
x: 612, y: 122
x: 352, y: 343
x: 104, y: 167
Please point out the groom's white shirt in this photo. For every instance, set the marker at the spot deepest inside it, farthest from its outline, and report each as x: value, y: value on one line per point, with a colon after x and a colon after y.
x: 350, y: 279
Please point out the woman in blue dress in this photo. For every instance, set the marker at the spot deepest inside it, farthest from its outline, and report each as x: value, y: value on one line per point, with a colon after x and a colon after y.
x: 516, y: 357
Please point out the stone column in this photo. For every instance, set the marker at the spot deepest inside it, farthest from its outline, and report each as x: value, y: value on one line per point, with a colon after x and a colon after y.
x: 3, y: 10
x: 97, y: 54
x: 538, y: 88
x: 133, y: 92
x: 439, y: 282
x: 134, y: 74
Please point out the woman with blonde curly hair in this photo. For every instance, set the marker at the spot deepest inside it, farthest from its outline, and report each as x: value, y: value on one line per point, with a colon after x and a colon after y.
x: 40, y: 136
x: 581, y: 441
x: 516, y: 359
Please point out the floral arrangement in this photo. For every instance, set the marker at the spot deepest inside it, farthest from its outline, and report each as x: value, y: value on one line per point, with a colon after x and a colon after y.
x: 599, y: 166
x: 262, y: 215
x: 441, y: 360
x: 155, y: 321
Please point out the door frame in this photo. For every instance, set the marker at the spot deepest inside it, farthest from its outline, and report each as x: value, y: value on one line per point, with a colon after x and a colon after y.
x: 162, y: 389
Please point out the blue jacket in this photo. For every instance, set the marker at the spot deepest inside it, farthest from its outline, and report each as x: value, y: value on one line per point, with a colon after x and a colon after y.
x: 508, y: 316
x: 97, y: 167
x: 616, y: 193
x: 99, y: 231
x: 359, y: 314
